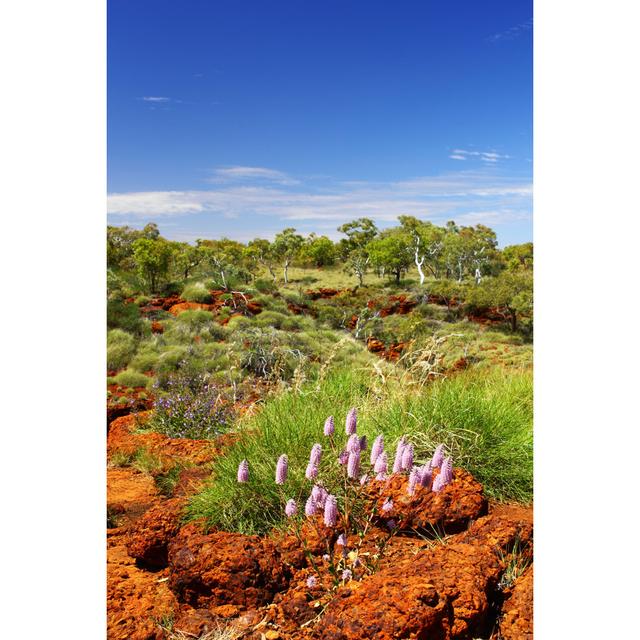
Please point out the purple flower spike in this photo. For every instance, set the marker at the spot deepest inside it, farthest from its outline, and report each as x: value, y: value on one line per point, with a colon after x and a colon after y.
x: 352, y: 421
x: 316, y: 454
x: 438, y: 457
x: 424, y: 475
x: 381, y: 476
x: 343, y: 457
x: 281, y: 469
x: 342, y: 540
x: 397, y: 463
x: 438, y: 484
x: 291, y: 508
x: 329, y: 427
x: 346, y: 575
x: 353, y: 464
x: 377, y: 448
x: 312, y: 472
x: 447, y: 470
x: 331, y: 511
x: 243, y: 471
x: 388, y: 505
x: 407, y: 457
x: 312, y: 582
x: 310, y: 507
x: 413, y: 480
x: 353, y: 444
x: 381, y: 463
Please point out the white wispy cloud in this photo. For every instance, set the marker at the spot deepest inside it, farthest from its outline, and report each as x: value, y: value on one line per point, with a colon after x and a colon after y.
x: 485, y: 156
x: 155, y: 99
x: 244, y: 174
x: 466, y: 195
x: 512, y: 32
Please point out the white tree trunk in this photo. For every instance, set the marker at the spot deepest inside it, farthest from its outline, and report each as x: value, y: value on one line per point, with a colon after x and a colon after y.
x: 419, y: 264
x: 286, y: 269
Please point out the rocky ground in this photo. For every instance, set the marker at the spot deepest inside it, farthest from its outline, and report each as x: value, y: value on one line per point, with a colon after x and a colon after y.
x: 165, y: 579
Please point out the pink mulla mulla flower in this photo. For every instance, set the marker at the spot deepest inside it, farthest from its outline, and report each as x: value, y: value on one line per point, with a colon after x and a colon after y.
x: 312, y: 582
x: 346, y: 575
x: 413, y: 479
x: 380, y: 465
x: 424, y: 475
x: 447, y: 470
x: 377, y: 448
x: 312, y: 472
x: 353, y: 464
x: 342, y: 540
x: 343, y: 457
x: 438, y: 457
x: 329, y: 426
x: 310, y: 507
x: 388, y: 505
x: 281, y: 469
x: 351, y: 421
x: 353, y: 444
x: 243, y: 471
x: 397, y: 463
x: 407, y: 457
x: 438, y: 484
x: 316, y: 454
x: 331, y: 511
x: 291, y: 508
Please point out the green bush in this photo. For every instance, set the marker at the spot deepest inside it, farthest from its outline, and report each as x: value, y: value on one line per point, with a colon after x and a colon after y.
x: 196, y: 292
x: 123, y: 315
x: 239, y: 322
x: 120, y: 348
x: 131, y: 378
x: 265, y: 286
x: 272, y: 319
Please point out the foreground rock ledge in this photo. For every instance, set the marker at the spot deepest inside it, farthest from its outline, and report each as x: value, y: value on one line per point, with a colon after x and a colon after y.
x: 443, y: 593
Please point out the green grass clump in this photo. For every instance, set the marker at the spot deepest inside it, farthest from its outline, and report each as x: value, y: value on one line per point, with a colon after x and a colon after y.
x: 120, y: 348
x: 485, y: 420
x: 196, y: 292
x: 130, y: 378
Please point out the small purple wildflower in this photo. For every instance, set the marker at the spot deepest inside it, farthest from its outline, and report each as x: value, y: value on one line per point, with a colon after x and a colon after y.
x: 356, y: 562
x: 353, y: 444
x: 316, y: 454
x: 331, y: 511
x: 312, y: 582
x: 353, y: 464
x: 397, y: 463
x: 343, y: 457
x: 346, y: 575
x: 388, y: 505
x: 310, y: 507
x: 281, y: 469
x: 342, y: 540
x: 312, y: 472
x: 438, y: 457
x: 413, y: 479
x: 329, y: 426
x: 377, y: 448
x: 424, y: 475
x: 381, y: 463
x: 391, y: 524
x: 351, y: 422
x: 243, y: 471
x: 291, y: 508
x: 407, y: 457
x: 319, y: 495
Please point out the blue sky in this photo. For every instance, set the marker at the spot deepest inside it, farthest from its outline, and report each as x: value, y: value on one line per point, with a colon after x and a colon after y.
x: 238, y: 118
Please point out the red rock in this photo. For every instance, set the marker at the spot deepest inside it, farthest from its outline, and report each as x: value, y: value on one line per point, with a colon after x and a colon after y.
x: 224, y: 568
x: 177, y: 309
x: 516, y: 622
x: 150, y: 535
x: 443, y: 592
x: 374, y: 345
x: 156, y: 327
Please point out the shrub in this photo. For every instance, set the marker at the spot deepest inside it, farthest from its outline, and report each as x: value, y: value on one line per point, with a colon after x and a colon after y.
x: 191, y: 408
x: 196, y: 292
x: 122, y: 315
x: 270, y: 319
x: 239, y: 322
x: 120, y: 348
x: 265, y: 286
x: 130, y: 378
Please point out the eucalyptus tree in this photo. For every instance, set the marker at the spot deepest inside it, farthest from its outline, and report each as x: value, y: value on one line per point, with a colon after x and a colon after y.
x: 286, y: 247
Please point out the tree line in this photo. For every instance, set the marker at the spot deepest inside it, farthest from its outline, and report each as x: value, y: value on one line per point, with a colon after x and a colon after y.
x: 451, y: 253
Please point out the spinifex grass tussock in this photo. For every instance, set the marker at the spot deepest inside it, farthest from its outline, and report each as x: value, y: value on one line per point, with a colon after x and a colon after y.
x: 485, y: 421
